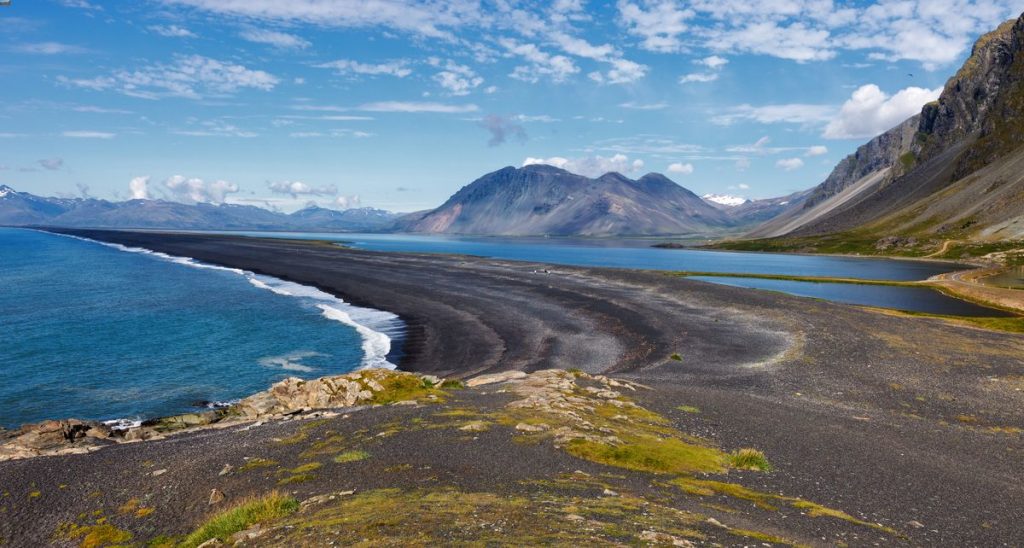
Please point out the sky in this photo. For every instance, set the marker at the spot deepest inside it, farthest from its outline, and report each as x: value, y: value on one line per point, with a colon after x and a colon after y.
x: 396, y: 104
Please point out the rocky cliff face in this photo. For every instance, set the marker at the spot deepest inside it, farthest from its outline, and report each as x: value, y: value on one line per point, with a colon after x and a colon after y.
x: 978, y: 121
x: 544, y: 200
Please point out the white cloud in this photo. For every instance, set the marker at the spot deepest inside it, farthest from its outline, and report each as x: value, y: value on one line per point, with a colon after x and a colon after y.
x: 274, y: 38
x: 713, y: 62
x: 298, y: 188
x: 591, y: 166
x: 797, y: 41
x: 190, y: 76
x: 139, y: 188
x: 817, y: 150
x: 790, y: 164
x: 172, y: 31
x: 426, y: 17
x: 623, y: 71
x: 397, y: 69
x: 541, y: 64
x: 684, y: 169
x: 633, y: 105
x: 194, y: 190
x: 215, y: 128
x: 403, y: 106
x: 347, y: 202
x: 699, y: 77
x: 89, y: 134
x: 48, y: 48
x: 648, y: 144
x: 100, y: 110
x: 659, y: 25
x: 795, y: 113
x: 458, y: 79
x: 743, y: 186
x: 870, y: 111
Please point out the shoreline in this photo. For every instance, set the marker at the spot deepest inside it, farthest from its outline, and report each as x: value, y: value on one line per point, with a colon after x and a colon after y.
x: 400, y: 347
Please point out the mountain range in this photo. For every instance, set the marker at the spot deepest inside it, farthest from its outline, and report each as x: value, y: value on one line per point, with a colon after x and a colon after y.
x: 24, y: 209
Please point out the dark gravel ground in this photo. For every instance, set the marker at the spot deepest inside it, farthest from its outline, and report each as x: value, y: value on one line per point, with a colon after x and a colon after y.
x: 910, y: 422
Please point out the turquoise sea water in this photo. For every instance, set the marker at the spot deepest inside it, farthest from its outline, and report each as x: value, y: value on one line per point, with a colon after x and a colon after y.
x: 91, y: 331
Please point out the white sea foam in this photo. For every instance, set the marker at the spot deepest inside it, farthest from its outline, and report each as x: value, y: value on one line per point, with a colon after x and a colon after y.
x: 375, y: 327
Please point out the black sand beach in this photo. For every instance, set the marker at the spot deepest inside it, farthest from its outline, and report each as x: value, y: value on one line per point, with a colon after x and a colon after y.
x: 912, y: 423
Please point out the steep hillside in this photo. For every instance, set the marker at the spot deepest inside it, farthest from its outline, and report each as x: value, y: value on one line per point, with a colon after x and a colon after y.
x: 544, y: 200
x: 951, y: 172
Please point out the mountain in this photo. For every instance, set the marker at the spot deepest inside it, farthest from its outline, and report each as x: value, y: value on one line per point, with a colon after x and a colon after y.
x: 361, y: 219
x: 954, y: 171
x: 22, y: 209
x: 545, y: 200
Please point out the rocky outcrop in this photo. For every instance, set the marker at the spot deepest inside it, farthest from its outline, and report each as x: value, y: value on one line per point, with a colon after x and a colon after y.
x: 290, y: 398
x: 54, y: 437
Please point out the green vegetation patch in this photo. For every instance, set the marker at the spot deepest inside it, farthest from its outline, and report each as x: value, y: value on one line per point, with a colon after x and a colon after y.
x: 405, y: 387
x: 393, y: 517
x: 242, y: 516
x: 256, y: 463
x: 688, y: 409
x: 96, y: 535
x: 652, y: 454
x: 767, y: 501
x: 351, y: 456
x: 749, y: 459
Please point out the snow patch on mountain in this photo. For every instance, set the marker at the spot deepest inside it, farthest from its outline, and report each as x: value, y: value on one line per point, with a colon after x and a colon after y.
x: 725, y: 199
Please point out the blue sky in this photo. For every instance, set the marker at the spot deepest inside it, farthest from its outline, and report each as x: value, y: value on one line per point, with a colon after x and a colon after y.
x: 397, y: 104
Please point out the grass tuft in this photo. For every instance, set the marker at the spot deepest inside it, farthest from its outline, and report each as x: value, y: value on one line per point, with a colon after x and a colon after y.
x: 676, y: 357
x: 688, y: 409
x: 749, y: 459
x: 241, y: 517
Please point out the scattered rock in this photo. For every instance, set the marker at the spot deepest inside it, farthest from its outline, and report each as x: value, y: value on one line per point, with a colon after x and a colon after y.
x: 664, y: 539
x: 610, y: 493
x: 320, y: 499
x: 251, y: 533
x: 226, y: 470
x: 523, y: 427
x: 495, y: 378
x: 211, y: 543
x: 216, y: 496
x: 159, y: 472
x: 475, y: 426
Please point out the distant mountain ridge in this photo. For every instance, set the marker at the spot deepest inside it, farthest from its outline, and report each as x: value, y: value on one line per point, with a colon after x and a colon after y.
x: 954, y: 171
x: 24, y: 209
x: 545, y: 200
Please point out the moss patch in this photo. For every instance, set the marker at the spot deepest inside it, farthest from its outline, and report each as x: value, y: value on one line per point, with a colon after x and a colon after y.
x: 351, y: 456
x: 253, y: 464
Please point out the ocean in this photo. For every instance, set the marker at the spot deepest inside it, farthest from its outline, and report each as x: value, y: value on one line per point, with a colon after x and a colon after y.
x: 102, y: 332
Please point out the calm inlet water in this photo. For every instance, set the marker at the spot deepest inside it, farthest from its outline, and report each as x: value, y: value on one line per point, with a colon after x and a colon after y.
x: 638, y: 253
x: 90, y: 331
